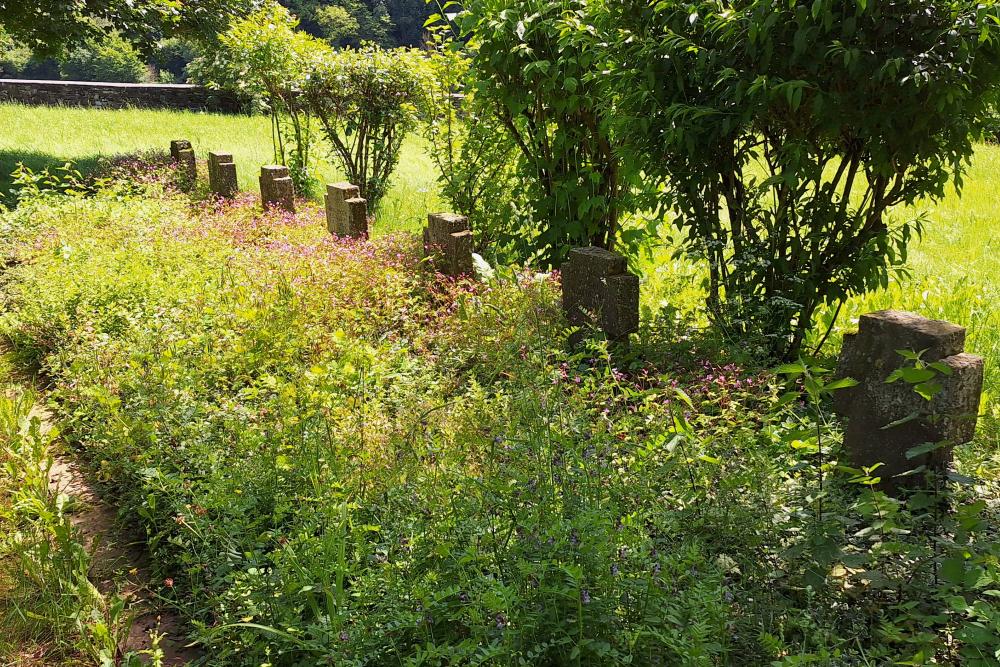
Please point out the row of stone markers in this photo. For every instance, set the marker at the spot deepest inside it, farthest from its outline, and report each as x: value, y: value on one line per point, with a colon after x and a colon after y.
x: 888, y: 423
x: 346, y: 211
x: 598, y: 291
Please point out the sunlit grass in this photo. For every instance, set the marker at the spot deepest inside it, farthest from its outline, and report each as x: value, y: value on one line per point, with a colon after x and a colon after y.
x: 44, y: 136
x: 955, y: 276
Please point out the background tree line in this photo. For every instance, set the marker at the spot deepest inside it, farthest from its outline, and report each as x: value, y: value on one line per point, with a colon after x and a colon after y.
x: 110, y: 49
x: 388, y: 23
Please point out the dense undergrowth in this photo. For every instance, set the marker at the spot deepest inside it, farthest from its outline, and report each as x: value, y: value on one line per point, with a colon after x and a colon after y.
x: 340, y: 459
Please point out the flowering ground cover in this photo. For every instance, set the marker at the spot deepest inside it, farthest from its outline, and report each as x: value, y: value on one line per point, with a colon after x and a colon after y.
x: 336, y: 457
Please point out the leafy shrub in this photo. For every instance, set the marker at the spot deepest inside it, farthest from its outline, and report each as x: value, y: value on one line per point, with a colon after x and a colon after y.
x: 473, y: 153
x: 14, y: 58
x: 788, y: 132
x: 110, y: 58
x: 172, y: 56
x: 539, y: 71
x: 366, y: 101
x: 18, y: 62
x: 350, y: 22
x: 340, y: 27
x: 264, y: 57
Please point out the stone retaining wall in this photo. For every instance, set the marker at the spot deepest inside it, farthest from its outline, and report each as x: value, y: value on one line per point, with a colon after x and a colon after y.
x: 116, y: 95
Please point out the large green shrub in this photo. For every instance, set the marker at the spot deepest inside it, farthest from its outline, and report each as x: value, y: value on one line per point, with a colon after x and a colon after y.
x: 110, y: 58
x: 351, y: 22
x: 538, y: 70
x: 172, y: 56
x: 340, y: 27
x: 367, y: 101
x: 789, y: 133
x: 18, y: 62
x: 14, y: 57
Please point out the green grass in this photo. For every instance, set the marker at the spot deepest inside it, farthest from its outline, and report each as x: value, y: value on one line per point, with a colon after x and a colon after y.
x: 46, y: 136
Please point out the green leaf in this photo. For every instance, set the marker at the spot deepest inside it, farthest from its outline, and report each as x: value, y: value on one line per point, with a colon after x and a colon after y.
x: 899, y: 422
x: 953, y: 570
x: 928, y: 389
x: 911, y: 375
x: 843, y: 383
x: 925, y: 448
x: 791, y: 370
x: 787, y: 398
x: 942, y: 368
x: 684, y: 397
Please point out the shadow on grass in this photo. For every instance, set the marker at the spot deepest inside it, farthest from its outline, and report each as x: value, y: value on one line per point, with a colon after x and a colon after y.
x: 36, y: 161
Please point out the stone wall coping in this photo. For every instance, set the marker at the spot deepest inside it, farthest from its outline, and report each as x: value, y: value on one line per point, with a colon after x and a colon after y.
x: 109, y: 95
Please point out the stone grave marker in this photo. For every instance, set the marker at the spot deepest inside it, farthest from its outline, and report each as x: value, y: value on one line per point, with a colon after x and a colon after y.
x: 276, y: 188
x: 598, y: 291
x: 346, y: 211
x: 448, y: 244
x: 885, y: 420
x: 222, y: 174
x: 178, y: 145
x: 357, y: 217
x: 187, y: 166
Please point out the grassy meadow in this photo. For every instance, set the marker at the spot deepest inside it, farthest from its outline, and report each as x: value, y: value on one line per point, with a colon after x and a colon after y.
x: 47, y: 136
x: 954, y: 275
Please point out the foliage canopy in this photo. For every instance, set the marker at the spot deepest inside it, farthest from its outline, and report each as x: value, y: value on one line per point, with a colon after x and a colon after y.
x: 537, y: 70
x: 108, y: 59
x: 473, y: 153
x: 48, y: 26
x: 788, y: 132
x: 776, y: 137
x: 264, y: 57
x: 367, y: 101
